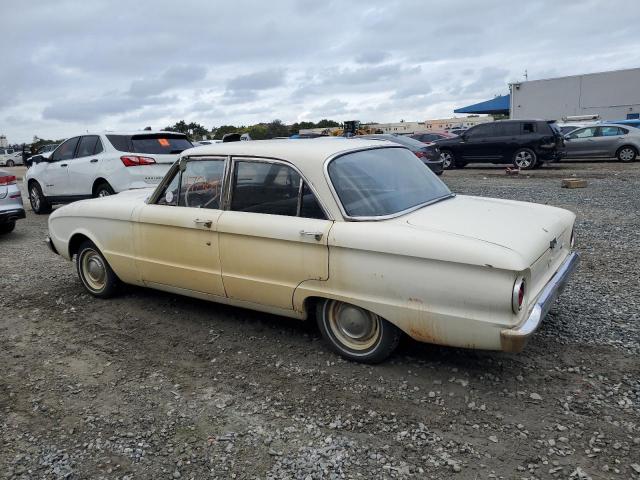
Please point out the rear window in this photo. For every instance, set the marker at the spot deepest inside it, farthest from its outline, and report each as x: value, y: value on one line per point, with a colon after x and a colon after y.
x: 158, y: 144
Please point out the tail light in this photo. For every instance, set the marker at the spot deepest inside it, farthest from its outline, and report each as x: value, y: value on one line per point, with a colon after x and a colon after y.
x: 135, y: 160
x: 420, y: 154
x: 7, y: 180
x: 519, y: 292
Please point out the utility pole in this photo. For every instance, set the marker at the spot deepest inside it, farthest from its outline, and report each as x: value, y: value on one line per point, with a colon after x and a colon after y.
x: 526, y: 75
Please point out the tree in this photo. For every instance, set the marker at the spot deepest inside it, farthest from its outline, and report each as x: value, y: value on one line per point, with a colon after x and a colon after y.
x: 324, y: 123
x: 258, y: 132
x: 180, y: 127
x: 222, y: 130
x: 276, y: 129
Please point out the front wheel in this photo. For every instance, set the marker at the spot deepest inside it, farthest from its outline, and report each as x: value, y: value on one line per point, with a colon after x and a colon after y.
x: 94, y: 271
x: 525, y: 159
x: 39, y: 203
x: 355, y: 333
x: 10, y: 163
x: 627, y: 154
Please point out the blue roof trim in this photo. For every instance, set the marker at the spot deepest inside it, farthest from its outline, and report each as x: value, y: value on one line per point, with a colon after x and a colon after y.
x: 500, y: 104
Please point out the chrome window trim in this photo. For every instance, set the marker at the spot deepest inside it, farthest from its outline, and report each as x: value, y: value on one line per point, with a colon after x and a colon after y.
x: 259, y: 159
x: 351, y: 218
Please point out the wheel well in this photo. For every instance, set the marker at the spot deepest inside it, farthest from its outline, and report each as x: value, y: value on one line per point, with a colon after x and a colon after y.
x: 75, y: 242
x: 627, y: 146
x: 310, y: 304
x: 99, y: 181
x: 31, y: 182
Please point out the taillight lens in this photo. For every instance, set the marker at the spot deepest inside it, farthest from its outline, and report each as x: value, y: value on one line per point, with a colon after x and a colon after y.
x: 135, y: 160
x: 7, y: 180
x: 519, y: 292
x: 420, y: 154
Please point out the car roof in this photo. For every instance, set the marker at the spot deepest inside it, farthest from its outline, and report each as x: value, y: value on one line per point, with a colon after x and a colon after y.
x: 129, y: 132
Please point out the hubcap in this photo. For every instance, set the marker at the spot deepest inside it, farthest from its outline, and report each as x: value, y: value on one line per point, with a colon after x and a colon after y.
x: 524, y: 159
x: 103, y: 193
x: 35, y: 199
x: 354, y: 327
x: 446, y: 159
x: 626, y: 154
x: 93, y: 270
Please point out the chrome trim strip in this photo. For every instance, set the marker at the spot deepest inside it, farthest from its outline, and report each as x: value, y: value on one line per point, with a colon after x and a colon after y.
x: 350, y: 218
x: 514, y: 339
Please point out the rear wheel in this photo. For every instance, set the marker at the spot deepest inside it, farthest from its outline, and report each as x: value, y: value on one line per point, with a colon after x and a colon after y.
x: 103, y: 190
x: 355, y: 333
x: 627, y: 154
x: 525, y: 159
x: 10, y: 163
x: 7, y: 227
x: 448, y: 160
x: 39, y: 203
x: 94, y: 271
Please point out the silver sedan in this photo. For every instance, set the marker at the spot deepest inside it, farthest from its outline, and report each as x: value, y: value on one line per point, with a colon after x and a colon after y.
x: 603, y: 141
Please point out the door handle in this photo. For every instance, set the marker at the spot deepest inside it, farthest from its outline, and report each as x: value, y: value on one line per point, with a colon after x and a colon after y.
x: 63, y: 165
x: 316, y: 235
x: 204, y: 223
x: 93, y: 160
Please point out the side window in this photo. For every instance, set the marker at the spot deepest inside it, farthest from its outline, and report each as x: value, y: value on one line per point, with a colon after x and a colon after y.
x: 263, y: 187
x: 309, y: 207
x: 87, y: 145
x: 65, y: 151
x: 198, y: 186
x: 584, y: 133
x: 611, y: 131
x: 528, y: 127
x: 98, y: 149
x: 479, y: 131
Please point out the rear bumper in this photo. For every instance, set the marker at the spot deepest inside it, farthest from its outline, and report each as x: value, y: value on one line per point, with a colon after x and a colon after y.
x: 514, y: 340
x: 436, y: 167
x: 9, y: 216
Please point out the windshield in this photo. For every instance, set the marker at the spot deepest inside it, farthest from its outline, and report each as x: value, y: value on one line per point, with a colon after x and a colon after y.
x: 383, y: 181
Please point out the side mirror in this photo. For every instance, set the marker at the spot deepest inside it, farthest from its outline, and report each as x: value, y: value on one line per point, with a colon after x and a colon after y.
x: 567, y: 137
x: 37, y: 159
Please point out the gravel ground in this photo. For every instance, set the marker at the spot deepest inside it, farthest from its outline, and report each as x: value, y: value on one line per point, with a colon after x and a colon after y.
x: 153, y: 385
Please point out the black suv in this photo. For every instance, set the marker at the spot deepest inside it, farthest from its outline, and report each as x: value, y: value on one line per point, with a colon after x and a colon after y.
x: 525, y: 143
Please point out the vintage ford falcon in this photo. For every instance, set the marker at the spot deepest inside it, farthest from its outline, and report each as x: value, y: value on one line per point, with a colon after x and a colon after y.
x: 358, y: 233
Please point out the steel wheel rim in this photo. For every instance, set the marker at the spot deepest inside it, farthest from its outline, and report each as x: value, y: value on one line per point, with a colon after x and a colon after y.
x: 524, y: 159
x: 446, y: 159
x: 354, y: 327
x: 35, y: 198
x: 103, y: 193
x: 626, y: 154
x: 94, y: 270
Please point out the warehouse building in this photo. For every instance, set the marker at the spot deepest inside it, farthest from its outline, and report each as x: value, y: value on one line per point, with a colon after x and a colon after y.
x: 611, y: 95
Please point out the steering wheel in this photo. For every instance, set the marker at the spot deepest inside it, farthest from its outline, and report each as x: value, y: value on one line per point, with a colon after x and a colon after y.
x: 199, y: 187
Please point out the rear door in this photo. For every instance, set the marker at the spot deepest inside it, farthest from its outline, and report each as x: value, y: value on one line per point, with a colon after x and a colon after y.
x: 608, y: 140
x: 274, y: 235
x: 55, y: 175
x: 83, y: 168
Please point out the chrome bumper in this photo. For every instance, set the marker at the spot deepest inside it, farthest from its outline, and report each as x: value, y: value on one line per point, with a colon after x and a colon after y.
x: 514, y: 340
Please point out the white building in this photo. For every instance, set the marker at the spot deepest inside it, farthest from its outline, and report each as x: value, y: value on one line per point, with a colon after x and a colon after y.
x: 440, y: 124
x: 612, y: 95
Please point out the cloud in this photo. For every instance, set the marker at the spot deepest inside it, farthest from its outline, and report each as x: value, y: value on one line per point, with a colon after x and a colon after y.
x: 372, y: 56
x: 173, y: 77
x: 263, y: 80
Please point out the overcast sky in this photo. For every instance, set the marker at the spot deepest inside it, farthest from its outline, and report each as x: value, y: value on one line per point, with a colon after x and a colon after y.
x: 72, y: 66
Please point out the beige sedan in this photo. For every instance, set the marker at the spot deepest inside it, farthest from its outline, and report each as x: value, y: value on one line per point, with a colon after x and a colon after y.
x: 359, y: 234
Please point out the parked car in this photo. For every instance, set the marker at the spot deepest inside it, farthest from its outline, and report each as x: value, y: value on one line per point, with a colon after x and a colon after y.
x: 603, y: 141
x: 429, y: 137
x: 356, y: 231
x: 101, y: 164
x: 566, y: 128
x: 44, y: 152
x: 429, y: 154
x: 10, y: 157
x: 11, y: 207
x: 524, y: 143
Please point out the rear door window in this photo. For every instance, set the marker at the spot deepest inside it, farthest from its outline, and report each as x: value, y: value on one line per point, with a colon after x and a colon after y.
x: 88, y: 145
x: 611, y: 131
x: 506, y: 129
x: 528, y: 127
x: 158, y: 144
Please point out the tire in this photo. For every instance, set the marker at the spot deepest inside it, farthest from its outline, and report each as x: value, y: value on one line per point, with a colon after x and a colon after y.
x: 448, y: 159
x: 39, y: 203
x: 103, y: 190
x: 355, y: 333
x: 94, y: 272
x: 10, y: 163
x: 7, y: 227
x: 626, y: 154
x: 525, y: 159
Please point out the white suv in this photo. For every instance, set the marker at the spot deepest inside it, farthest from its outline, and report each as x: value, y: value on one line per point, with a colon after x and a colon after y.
x: 96, y: 165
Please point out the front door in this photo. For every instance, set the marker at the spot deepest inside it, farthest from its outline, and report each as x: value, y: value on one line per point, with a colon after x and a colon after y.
x: 581, y: 142
x: 478, y: 143
x: 55, y: 176
x: 176, y: 238
x: 274, y: 235
x: 83, y: 169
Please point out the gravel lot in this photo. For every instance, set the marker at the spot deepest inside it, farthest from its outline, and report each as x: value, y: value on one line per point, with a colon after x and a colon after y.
x: 153, y: 385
